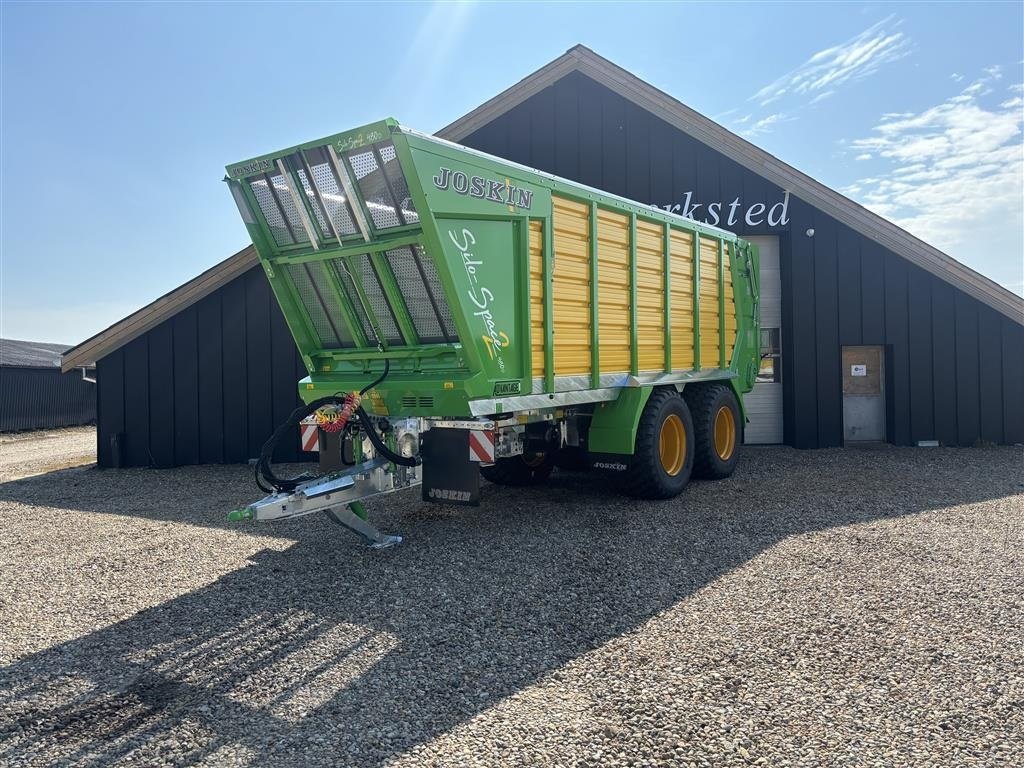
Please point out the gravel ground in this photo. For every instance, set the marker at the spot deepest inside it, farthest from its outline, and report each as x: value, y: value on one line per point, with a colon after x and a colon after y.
x: 836, y: 607
x: 23, y: 454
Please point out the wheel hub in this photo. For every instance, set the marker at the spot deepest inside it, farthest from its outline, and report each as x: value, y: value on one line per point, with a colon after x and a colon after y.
x: 672, y: 445
x: 725, y: 433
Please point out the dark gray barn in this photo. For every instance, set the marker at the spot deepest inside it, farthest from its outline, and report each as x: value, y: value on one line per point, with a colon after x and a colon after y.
x: 202, y: 375
x: 35, y: 394
x: 867, y: 332
x: 950, y: 341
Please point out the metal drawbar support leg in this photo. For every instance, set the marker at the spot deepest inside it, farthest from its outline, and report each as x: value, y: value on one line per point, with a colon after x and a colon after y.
x: 353, y: 517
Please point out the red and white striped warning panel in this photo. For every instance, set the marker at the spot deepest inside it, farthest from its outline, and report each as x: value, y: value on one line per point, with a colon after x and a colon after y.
x: 481, y: 446
x: 309, y: 435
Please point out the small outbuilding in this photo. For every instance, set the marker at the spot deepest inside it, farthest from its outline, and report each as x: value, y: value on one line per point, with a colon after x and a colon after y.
x: 35, y: 394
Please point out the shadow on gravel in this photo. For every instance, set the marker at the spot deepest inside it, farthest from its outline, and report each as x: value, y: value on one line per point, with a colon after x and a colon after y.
x: 327, y: 653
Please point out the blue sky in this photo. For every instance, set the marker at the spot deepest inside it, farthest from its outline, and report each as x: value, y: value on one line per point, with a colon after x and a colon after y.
x: 118, y: 119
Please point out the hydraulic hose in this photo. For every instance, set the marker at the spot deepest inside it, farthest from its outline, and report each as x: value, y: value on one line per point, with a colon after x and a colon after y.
x: 378, y: 444
x: 263, y: 469
x: 378, y: 380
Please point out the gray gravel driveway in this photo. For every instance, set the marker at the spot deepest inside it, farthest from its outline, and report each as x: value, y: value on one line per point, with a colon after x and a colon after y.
x: 834, y: 607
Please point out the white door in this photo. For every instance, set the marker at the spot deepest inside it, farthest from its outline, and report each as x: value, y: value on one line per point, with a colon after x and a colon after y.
x: 764, y: 402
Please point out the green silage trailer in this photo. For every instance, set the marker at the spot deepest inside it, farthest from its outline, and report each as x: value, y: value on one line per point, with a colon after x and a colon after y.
x: 460, y: 315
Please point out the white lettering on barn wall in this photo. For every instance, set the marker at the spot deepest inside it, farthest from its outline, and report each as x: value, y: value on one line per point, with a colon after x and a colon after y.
x: 753, y: 215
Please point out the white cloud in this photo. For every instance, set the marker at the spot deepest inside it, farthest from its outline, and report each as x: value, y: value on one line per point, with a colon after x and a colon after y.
x: 765, y: 124
x: 858, y: 57
x: 955, y: 178
x: 957, y: 77
x: 865, y: 156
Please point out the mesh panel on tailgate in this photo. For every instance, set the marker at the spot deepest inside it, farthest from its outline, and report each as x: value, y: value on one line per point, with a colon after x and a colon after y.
x: 308, y: 198
x: 274, y: 218
x: 362, y: 268
x: 321, y: 304
x: 398, y: 183
x: 385, y: 191
x: 331, y: 194
x: 428, y: 309
x: 283, y: 192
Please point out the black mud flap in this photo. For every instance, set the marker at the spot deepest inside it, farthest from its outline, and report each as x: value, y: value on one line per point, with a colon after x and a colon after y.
x: 610, y: 463
x: 449, y: 476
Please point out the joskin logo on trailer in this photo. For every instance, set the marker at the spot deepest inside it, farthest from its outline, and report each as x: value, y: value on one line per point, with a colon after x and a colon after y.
x: 250, y: 168
x: 501, y: 191
x: 487, y: 281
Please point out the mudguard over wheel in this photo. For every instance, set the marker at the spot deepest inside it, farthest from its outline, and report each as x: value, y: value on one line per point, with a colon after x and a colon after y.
x: 663, y: 458
x: 717, y: 429
x: 526, y: 469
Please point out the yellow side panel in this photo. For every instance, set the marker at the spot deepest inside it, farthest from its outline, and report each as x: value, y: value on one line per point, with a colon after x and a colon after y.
x: 650, y: 295
x: 613, y: 290
x: 681, y: 244
x: 709, y: 303
x: 537, y: 298
x: 570, y: 289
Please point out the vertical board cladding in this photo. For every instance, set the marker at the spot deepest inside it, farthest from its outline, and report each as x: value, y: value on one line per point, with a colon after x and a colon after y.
x: 259, y: 424
x: 919, y: 349
x: 897, y: 396
x: 208, y: 385
x: 186, y: 387
x: 236, y: 379
x: 44, y: 398
x: 110, y: 408
x: 990, y: 382
x: 803, y: 358
x: 944, y: 362
x: 161, y: 395
x: 848, y: 283
x: 1013, y: 381
x: 838, y: 287
x: 211, y: 379
x: 826, y: 326
x: 136, y: 403
x: 968, y: 421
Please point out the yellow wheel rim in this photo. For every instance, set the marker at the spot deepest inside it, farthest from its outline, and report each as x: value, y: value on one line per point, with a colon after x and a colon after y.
x: 725, y: 433
x: 672, y: 445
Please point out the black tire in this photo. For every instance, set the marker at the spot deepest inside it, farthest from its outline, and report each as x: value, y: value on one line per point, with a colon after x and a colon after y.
x: 647, y: 476
x: 714, y: 459
x: 526, y: 469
